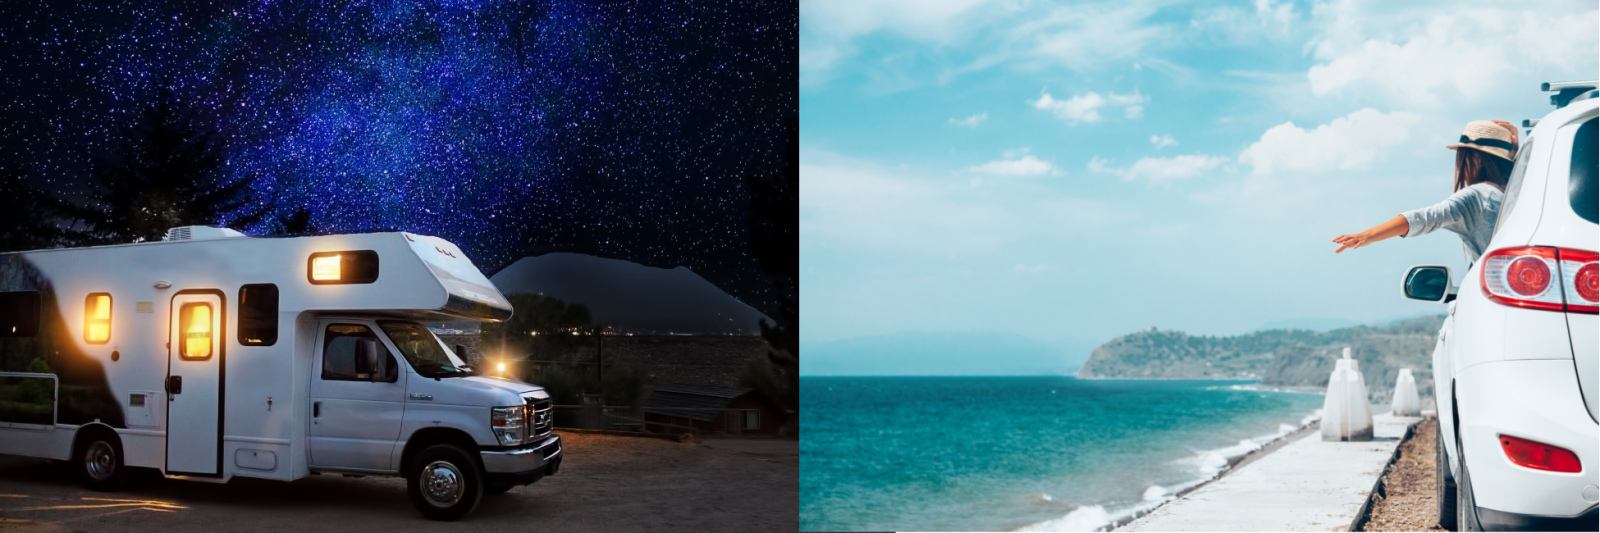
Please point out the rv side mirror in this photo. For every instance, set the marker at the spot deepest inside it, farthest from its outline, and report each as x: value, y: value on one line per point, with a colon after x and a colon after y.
x: 367, y: 359
x: 1427, y: 283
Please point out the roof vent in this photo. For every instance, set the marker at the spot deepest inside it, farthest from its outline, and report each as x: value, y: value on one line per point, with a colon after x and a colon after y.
x: 201, y: 233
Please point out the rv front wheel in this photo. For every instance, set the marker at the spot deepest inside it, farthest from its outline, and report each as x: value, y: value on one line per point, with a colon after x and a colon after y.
x: 446, y: 483
x: 99, y: 461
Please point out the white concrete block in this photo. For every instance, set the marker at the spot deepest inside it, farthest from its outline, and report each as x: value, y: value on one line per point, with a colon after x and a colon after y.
x: 1406, y: 402
x: 1346, y: 415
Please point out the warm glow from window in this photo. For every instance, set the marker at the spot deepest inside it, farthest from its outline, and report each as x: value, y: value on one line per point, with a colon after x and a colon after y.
x: 196, y: 330
x: 97, y: 318
x: 325, y: 268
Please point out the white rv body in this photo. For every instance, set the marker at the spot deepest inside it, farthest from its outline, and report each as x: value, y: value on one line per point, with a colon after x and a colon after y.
x: 251, y: 407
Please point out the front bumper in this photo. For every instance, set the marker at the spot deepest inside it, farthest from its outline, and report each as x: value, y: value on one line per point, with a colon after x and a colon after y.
x: 1532, y: 399
x: 524, y: 464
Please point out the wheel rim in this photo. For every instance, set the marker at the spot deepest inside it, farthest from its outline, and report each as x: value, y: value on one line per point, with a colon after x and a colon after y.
x: 100, y: 461
x: 442, y: 484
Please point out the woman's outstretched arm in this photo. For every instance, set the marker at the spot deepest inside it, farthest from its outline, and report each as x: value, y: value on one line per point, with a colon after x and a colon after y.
x: 1395, y: 227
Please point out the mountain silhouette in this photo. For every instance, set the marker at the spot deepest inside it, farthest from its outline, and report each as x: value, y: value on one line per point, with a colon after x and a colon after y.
x: 632, y: 297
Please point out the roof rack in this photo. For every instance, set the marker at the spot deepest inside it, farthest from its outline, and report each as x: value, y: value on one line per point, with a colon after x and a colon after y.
x: 1570, y: 91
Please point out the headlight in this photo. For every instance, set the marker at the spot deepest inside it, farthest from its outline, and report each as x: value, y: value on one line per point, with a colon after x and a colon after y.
x: 509, y: 424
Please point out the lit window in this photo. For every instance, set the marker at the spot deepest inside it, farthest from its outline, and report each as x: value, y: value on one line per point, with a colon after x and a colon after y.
x: 325, y: 268
x: 347, y: 267
x: 97, y: 318
x: 194, y: 323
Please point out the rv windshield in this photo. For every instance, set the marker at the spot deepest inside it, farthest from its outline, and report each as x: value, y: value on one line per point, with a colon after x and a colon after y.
x: 423, y: 350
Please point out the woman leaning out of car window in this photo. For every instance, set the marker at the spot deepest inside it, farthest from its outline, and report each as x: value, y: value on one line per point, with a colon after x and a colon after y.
x: 1483, y: 164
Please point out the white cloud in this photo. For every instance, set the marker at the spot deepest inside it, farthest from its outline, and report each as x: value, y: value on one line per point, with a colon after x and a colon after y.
x: 1272, y: 10
x: 1348, y: 143
x: 1026, y: 166
x: 1472, y: 54
x: 828, y: 27
x: 856, y: 205
x: 1163, y: 141
x: 972, y: 121
x: 1085, y: 35
x: 1160, y: 170
x: 1086, y: 107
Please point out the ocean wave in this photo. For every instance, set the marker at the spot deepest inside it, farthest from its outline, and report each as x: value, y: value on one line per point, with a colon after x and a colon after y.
x: 1208, y: 463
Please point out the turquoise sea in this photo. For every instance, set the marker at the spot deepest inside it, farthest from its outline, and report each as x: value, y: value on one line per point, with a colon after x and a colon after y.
x: 1009, y: 453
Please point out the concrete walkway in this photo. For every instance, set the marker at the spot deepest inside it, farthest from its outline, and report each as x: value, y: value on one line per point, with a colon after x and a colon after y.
x: 1308, y: 485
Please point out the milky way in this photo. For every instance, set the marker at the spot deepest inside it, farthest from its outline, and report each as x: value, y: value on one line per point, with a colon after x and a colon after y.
x: 513, y: 128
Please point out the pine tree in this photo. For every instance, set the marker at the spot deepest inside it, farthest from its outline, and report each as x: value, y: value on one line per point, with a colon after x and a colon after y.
x: 27, y: 220
x: 165, y: 172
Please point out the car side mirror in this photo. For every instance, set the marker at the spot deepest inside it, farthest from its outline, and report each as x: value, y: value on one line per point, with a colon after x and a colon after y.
x: 367, y: 358
x: 1429, y: 283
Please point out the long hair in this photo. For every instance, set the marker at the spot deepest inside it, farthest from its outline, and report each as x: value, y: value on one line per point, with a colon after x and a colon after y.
x: 1475, y: 166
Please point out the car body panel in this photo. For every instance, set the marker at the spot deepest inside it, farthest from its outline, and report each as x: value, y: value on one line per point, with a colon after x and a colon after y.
x: 1531, y: 399
x: 1508, y: 370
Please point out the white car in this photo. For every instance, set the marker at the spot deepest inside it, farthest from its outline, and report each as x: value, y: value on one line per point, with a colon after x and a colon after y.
x: 1516, y: 363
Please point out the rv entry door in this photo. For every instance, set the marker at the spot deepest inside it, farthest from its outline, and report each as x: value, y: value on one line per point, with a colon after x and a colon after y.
x: 194, y: 383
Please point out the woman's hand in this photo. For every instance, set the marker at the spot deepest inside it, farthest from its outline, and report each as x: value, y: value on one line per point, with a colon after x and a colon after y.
x: 1394, y: 227
x: 1507, y: 125
x: 1353, y: 241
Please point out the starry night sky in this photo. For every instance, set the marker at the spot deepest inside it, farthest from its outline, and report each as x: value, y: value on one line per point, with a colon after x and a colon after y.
x: 513, y: 128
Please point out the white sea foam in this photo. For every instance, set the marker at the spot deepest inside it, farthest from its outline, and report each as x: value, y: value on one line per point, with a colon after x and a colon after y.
x: 1097, y: 518
x: 1209, y: 463
x: 1086, y: 518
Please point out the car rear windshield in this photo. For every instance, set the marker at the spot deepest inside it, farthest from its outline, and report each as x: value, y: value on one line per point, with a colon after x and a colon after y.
x: 1581, y: 189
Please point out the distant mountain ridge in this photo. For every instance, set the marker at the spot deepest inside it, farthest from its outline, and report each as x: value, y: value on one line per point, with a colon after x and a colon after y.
x: 942, y: 354
x: 630, y: 296
x: 1285, y: 357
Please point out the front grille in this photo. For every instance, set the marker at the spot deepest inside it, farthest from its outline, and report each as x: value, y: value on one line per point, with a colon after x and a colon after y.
x: 541, y: 416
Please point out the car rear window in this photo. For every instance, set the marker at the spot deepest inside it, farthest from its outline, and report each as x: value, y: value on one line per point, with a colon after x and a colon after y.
x: 1581, y: 189
x: 1513, y: 186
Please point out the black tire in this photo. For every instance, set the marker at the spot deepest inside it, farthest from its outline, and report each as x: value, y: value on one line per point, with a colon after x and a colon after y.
x: 1446, y: 494
x: 97, y: 458
x: 497, y: 489
x: 1466, y: 507
x: 445, y: 482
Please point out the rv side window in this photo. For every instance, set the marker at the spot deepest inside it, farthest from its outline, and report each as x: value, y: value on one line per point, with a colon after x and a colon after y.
x: 352, y: 352
x: 354, y: 266
x: 195, y: 323
x: 258, y: 314
x: 97, y: 318
x: 19, y: 314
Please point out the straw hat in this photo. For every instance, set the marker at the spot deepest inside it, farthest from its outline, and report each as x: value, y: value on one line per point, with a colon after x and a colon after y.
x: 1486, y: 137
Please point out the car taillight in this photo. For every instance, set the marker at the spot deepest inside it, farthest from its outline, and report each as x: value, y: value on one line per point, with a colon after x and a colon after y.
x: 1580, y: 276
x: 1538, y: 277
x: 1540, y: 456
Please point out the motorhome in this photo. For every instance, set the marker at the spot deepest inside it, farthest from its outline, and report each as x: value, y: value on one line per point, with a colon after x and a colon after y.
x: 211, y: 355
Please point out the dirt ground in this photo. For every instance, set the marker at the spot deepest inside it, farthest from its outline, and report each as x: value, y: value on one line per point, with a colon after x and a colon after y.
x: 1408, y: 485
x: 606, y: 483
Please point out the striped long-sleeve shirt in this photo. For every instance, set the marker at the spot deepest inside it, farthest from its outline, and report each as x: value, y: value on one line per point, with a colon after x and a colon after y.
x: 1470, y: 213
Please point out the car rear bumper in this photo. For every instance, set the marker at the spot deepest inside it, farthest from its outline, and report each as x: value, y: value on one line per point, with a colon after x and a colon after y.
x: 1493, y: 520
x: 523, y: 465
x: 1537, y: 400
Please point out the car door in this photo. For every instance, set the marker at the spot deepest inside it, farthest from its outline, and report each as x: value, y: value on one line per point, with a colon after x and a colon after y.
x: 357, y: 398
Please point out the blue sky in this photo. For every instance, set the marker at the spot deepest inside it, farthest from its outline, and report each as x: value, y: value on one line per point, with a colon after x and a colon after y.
x: 1080, y: 170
